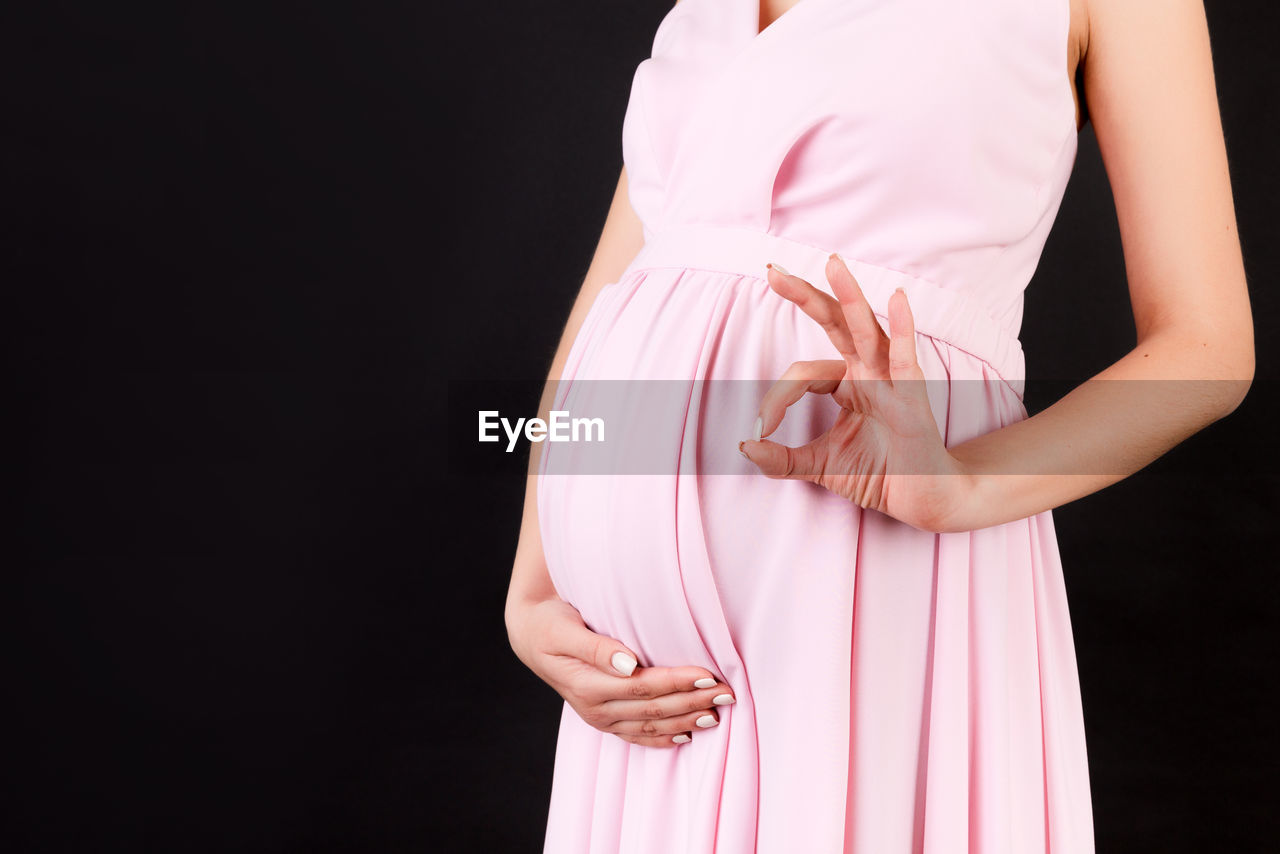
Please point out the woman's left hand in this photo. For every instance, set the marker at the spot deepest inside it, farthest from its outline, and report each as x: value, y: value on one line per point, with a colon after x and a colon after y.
x: 884, y: 451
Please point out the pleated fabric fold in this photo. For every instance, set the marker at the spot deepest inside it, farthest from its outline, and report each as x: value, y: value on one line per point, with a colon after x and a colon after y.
x: 898, y: 691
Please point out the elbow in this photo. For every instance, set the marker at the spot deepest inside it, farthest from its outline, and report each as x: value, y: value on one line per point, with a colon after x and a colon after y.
x: 1238, y: 391
x: 1237, y: 377
x: 1216, y: 365
x: 1243, y: 385
x: 1211, y: 354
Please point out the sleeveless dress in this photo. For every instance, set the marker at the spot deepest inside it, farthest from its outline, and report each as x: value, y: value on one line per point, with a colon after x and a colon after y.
x: 897, y: 690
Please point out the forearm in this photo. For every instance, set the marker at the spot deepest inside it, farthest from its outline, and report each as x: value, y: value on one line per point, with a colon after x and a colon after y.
x: 1169, y: 387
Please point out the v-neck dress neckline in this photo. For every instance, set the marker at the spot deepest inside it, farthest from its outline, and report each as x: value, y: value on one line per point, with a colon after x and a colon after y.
x: 759, y: 32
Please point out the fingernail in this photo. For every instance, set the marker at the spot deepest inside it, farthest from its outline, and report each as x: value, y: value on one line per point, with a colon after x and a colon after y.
x: 623, y: 663
x: 681, y: 739
x: 781, y: 269
x: 722, y: 699
x: 706, y: 721
x: 899, y: 291
x: 759, y: 429
x: 705, y: 682
x: 744, y: 453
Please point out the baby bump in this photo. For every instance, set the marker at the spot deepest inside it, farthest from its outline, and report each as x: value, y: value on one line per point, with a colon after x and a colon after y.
x: 673, y: 363
x: 613, y: 550
x: 662, y: 531
x: 620, y: 515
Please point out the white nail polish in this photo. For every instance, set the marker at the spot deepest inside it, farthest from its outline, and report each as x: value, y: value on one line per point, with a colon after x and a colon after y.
x: 781, y: 269
x: 705, y: 682
x: 706, y: 721
x: 681, y: 739
x: 623, y: 663
x: 759, y: 429
x: 722, y: 699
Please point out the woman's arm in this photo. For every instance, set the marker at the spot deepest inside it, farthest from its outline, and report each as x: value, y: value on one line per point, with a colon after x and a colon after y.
x: 1148, y: 77
x: 1149, y: 83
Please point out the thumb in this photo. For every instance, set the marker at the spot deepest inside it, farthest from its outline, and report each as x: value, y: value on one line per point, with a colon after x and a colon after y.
x: 621, y: 661
x: 781, y: 461
x: 603, y: 652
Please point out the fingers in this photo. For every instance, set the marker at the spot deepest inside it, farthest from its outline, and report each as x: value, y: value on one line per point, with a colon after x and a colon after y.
x: 668, y: 731
x: 904, y: 366
x: 782, y: 461
x: 820, y: 377
x: 868, y: 338
x: 657, y: 740
x: 668, y: 705
x: 653, y: 706
x: 651, y: 684
x: 848, y: 320
x: 819, y: 306
x: 658, y: 705
x: 591, y: 688
x: 669, y: 714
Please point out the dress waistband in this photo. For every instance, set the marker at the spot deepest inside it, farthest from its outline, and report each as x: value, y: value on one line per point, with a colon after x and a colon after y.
x: 947, y: 315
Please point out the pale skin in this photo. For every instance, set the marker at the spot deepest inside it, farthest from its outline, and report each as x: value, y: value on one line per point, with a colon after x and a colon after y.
x: 1149, y: 90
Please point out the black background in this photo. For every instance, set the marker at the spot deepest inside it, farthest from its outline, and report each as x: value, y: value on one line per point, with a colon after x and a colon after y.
x: 248, y: 250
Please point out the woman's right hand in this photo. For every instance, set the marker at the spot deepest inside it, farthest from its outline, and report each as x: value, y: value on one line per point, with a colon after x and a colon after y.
x: 599, y: 678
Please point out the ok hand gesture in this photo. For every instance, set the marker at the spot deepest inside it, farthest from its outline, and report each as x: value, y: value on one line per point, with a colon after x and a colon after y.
x: 884, y: 451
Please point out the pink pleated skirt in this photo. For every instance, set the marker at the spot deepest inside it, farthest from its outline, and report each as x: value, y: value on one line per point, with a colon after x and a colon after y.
x: 898, y: 691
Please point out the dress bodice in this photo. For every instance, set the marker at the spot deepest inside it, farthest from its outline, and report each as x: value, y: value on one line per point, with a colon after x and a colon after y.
x: 925, y: 136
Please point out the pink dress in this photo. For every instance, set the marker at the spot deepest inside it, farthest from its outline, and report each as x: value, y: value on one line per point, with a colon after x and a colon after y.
x: 897, y: 690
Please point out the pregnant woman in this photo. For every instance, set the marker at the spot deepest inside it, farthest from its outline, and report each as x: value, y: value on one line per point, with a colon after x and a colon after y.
x: 856, y: 638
